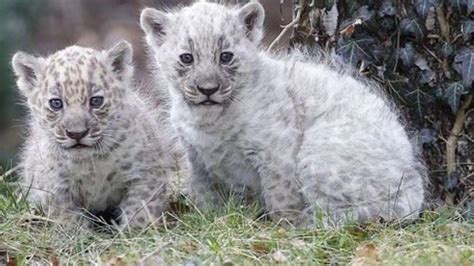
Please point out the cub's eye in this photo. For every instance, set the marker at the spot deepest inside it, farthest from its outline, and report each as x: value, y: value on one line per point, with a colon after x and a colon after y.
x: 186, y: 58
x: 96, y: 101
x: 56, y: 104
x: 226, y: 57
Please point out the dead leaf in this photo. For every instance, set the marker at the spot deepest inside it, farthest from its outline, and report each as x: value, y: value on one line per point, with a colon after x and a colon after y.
x: 190, y: 246
x: 278, y: 256
x: 366, y: 254
x: 54, y: 260
x: 261, y: 248
x: 115, y: 261
x: 298, y: 243
x: 10, y: 261
x: 153, y: 260
x: 281, y: 232
x: 347, y: 31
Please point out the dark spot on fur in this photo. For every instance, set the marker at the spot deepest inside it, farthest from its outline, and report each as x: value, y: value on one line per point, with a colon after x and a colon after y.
x: 126, y: 166
x: 111, y: 176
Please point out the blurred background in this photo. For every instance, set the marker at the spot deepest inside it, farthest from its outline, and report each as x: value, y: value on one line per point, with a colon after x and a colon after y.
x: 45, y: 26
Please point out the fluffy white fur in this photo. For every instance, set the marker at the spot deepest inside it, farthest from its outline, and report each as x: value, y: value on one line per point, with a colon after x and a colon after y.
x: 303, y: 137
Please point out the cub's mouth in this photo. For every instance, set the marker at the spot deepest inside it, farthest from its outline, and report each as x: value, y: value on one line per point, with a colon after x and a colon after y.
x: 209, y: 102
x: 79, y: 146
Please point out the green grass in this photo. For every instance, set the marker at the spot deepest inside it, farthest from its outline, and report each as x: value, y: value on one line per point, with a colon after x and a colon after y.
x: 233, y: 235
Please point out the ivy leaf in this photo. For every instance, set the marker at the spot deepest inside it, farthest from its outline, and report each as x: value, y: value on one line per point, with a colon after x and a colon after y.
x: 352, y: 7
x: 447, y: 50
x: 468, y: 29
x: 387, y: 8
x: 418, y: 98
x: 459, y: 6
x: 464, y: 64
x: 426, y: 75
x: 365, y: 14
x: 321, y: 4
x: 407, y: 55
x: 354, y: 50
x: 452, y: 95
x: 423, y: 7
x: 412, y: 27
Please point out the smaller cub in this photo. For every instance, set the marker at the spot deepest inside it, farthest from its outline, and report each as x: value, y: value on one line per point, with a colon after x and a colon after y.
x: 93, y: 144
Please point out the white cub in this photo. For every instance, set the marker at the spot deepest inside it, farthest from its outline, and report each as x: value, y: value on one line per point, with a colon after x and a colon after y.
x: 94, y: 145
x: 302, y: 137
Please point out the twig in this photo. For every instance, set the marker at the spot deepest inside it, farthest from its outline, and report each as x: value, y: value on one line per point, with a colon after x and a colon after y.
x: 287, y: 27
x: 398, y: 52
x: 453, y: 137
x: 9, y: 172
x: 443, y: 25
x: 433, y: 54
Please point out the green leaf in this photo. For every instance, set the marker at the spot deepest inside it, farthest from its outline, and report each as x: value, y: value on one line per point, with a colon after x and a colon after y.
x: 459, y: 6
x: 446, y: 49
x: 419, y: 98
x: 452, y: 95
x: 407, y: 55
x: 464, y: 64
x: 412, y: 27
x: 387, y: 8
x: 354, y: 50
x: 468, y: 29
x: 424, y: 7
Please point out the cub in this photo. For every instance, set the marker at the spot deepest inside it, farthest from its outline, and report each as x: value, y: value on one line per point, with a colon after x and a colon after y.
x: 310, y: 141
x: 94, y: 146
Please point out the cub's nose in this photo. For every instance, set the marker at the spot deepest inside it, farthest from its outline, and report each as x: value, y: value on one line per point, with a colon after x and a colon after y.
x: 208, y: 91
x: 77, y: 135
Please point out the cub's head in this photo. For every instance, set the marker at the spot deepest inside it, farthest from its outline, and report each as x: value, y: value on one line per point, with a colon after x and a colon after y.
x: 75, y: 93
x: 206, y: 51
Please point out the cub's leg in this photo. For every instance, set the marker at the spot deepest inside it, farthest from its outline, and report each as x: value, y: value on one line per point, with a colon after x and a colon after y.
x: 145, y: 203
x: 203, y: 189
x: 281, y: 191
x: 60, y: 202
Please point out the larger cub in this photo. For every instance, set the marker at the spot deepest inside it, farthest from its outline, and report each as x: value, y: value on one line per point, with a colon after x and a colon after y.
x: 302, y: 137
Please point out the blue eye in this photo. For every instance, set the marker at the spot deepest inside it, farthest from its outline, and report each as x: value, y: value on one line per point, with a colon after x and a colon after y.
x: 226, y: 57
x: 96, y: 101
x: 56, y: 104
x: 186, y: 58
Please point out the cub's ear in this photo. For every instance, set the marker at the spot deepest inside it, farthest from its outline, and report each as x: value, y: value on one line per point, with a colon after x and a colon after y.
x: 154, y: 23
x: 27, y: 69
x: 252, y: 16
x: 120, y: 58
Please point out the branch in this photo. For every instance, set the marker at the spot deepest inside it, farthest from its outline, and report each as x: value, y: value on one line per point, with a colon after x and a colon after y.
x: 443, y: 25
x: 288, y: 27
x: 453, y: 137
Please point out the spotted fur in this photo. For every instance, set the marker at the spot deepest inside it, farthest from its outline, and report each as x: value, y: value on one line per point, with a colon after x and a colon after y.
x: 304, y: 138
x: 120, y: 162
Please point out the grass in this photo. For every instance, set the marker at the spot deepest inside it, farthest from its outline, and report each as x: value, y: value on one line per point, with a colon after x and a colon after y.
x: 232, y: 235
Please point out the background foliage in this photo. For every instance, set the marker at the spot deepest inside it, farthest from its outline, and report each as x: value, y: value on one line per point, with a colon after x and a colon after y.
x: 17, y: 25
x: 422, y: 52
